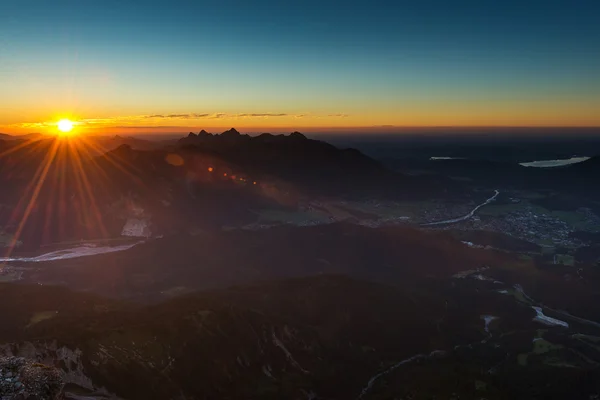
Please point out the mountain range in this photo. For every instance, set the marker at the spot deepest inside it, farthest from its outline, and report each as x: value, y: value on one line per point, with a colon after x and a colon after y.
x: 90, y: 186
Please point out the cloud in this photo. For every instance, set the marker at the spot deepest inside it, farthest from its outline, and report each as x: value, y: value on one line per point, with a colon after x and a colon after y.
x: 178, y: 116
x: 145, y: 127
x: 211, y: 116
x: 262, y: 115
x: 34, y: 125
x: 135, y: 121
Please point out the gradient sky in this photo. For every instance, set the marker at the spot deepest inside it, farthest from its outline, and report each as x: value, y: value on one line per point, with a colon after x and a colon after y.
x: 168, y: 66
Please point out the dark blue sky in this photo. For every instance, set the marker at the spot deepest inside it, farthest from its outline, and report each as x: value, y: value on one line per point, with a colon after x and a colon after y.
x: 391, y: 62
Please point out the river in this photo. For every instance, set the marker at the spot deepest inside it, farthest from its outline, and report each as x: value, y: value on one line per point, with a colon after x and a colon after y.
x: 75, y: 252
x: 465, y: 217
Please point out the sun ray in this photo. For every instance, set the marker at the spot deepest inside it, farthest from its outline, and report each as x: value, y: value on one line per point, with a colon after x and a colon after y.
x: 20, y: 146
x: 84, y: 183
x: 38, y: 186
x: 62, y: 199
x: 29, y: 188
x: 114, y: 160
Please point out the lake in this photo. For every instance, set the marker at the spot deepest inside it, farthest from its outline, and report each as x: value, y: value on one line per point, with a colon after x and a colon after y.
x: 554, y: 163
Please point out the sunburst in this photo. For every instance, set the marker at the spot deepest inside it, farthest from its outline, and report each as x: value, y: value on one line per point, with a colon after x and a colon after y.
x: 65, y: 127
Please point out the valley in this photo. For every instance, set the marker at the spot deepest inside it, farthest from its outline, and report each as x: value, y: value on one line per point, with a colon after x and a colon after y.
x: 212, y: 274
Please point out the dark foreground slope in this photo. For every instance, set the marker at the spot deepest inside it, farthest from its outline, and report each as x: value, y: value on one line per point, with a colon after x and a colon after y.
x: 323, y: 337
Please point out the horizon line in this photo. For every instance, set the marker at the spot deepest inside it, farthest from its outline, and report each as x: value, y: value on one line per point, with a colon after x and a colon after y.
x: 187, y: 130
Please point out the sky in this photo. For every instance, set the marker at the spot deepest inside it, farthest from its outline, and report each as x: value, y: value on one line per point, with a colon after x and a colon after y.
x: 175, y: 66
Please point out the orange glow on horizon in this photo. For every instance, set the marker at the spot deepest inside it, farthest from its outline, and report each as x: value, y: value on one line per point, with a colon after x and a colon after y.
x: 378, y: 117
x: 444, y: 112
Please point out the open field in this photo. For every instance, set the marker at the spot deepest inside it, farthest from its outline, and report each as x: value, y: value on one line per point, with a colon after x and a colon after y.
x: 564, y: 259
x: 41, y: 316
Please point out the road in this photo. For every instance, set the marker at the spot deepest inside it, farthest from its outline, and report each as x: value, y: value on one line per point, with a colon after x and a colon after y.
x: 469, y: 215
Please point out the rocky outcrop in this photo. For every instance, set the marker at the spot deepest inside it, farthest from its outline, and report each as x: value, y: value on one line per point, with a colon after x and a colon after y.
x: 136, y: 227
x: 24, y: 379
x: 69, y: 370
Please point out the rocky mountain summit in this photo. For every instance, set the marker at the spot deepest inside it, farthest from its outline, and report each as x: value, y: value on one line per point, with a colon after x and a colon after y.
x: 24, y: 379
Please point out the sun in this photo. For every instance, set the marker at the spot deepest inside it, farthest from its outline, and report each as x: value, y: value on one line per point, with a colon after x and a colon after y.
x: 65, y: 126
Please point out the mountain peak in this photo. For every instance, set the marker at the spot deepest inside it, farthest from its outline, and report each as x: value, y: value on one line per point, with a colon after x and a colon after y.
x: 298, y: 135
x: 203, y: 133
x: 191, y: 134
x: 231, y: 132
x: 123, y: 150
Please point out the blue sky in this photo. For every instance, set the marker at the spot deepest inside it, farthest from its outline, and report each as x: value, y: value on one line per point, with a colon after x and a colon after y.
x: 399, y: 63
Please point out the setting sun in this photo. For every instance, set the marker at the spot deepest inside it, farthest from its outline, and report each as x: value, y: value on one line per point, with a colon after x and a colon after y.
x: 65, y: 126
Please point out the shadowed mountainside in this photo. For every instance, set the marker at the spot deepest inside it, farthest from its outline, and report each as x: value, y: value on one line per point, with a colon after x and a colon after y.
x: 64, y: 190
x: 323, y: 335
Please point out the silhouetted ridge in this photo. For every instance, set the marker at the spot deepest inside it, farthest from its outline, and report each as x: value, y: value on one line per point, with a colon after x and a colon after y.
x: 123, y: 150
x: 308, y: 164
x: 297, y: 135
x: 230, y: 133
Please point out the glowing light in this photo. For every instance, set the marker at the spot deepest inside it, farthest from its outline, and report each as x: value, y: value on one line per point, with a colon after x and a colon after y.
x: 225, y: 174
x: 65, y: 125
x: 210, y: 169
x: 254, y: 183
x: 174, y: 159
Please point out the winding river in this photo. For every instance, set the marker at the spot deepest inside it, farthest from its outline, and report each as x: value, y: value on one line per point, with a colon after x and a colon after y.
x: 75, y: 252
x: 465, y: 217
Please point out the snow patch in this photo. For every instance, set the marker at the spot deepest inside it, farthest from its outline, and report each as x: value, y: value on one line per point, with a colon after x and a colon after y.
x: 540, y: 317
x: 487, y: 319
x: 135, y: 227
x: 480, y: 277
x: 267, y: 371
